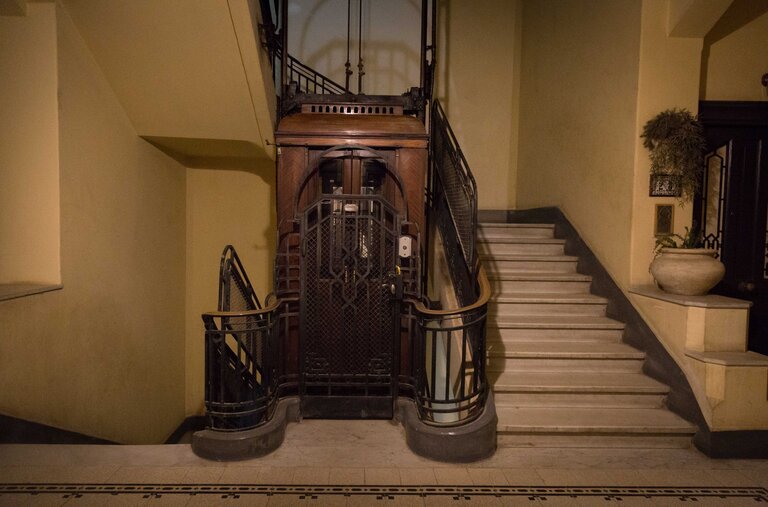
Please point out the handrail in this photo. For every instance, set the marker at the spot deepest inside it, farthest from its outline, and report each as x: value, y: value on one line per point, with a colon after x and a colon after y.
x: 249, y: 313
x: 482, y: 299
x: 454, y: 183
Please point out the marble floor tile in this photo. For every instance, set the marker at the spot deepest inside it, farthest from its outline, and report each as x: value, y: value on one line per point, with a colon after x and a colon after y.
x: 452, y: 476
x: 449, y: 501
x: 680, y: 478
x: 43, y: 500
x: 346, y: 476
x: 216, y: 500
x: 240, y: 475
x: 487, y: 477
x: 275, y: 475
x: 148, y: 475
x: 518, y: 477
x: 304, y: 500
x: 379, y: 476
x: 203, y: 475
x: 395, y: 501
x: 46, y: 473
x: 310, y: 475
x: 417, y: 476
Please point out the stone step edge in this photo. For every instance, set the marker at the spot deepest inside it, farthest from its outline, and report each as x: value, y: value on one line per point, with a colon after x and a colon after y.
x: 513, y: 240
x: 619, y: 326
x: 538, y: 276
x: 578, y: 389
x: 595, y: 430
x: 626, y: 356
x: 554, y: 298
x: 516, y: 226
x: 529, y: 257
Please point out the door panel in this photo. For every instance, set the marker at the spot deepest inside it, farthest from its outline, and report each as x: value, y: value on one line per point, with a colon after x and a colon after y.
x: 349, y: 315
x: 733, y: 209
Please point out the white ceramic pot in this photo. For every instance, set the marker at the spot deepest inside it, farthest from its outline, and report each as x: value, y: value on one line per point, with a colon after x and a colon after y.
x: 687, y: 271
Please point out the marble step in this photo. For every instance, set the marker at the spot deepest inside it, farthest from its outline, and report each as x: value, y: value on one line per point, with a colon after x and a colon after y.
x: 489, y: 230
x: 502, y: 264
x: 541, y: 303
x: 563, y: 356
x: 580, y: 389
x: 554, y: 322
x: 511, y: 282
x: 591, y: 427
x: 541, y: 335
x: 522, y: 246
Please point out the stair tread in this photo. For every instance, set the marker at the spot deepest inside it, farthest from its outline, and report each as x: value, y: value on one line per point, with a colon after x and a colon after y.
x: 594, y: 382
x: 563, y: 350
x: 591, y: 420
x: 529, y: 257
x: 522, y: 239
x: 555, y: 322
x: 548, y: 297
x: 516, y: 226
x: 539, y: 276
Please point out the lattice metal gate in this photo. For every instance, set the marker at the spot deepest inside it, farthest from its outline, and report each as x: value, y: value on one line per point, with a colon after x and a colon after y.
x: 349, y: 312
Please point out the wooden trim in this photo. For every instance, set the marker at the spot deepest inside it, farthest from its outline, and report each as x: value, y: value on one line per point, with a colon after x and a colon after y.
x: 385, y: 142
x: 485, y: 295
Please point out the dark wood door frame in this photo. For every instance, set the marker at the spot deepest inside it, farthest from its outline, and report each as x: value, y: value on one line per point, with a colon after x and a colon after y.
x: 740, y: 129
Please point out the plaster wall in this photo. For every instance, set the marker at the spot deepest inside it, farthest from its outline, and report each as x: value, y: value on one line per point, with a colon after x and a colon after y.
x: 29, y: 148
x: 736, y: 63
x: 668, y: 78
x: 104, y: 355
x: 478, y: 83
x: 578, y: 110
x: 185, y: 70
x: 224, y: 207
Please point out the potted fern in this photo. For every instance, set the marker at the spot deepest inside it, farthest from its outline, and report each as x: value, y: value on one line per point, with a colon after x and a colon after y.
x: 675, y: 142
x: 683, y: 266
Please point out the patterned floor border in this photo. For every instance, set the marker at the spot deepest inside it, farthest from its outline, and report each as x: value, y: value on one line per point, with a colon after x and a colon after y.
x: 313, y: 492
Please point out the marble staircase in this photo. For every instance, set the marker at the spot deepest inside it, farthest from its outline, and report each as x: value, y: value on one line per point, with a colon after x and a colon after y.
x: 561, y: 375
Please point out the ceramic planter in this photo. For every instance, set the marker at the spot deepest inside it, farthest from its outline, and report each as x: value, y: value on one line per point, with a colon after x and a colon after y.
x: 687, y: 271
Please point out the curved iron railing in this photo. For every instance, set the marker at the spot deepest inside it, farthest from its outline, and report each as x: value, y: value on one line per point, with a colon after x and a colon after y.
x: 449, y: 364
x: 240, y: 352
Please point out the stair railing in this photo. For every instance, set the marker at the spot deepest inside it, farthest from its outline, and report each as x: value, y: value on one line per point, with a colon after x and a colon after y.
x: 454, y: 193
x: 449, y: 347
x: 241, y: 352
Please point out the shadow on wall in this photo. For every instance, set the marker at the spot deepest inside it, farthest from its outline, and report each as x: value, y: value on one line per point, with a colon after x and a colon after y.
x: 390, y: 46
x: 739, y: 14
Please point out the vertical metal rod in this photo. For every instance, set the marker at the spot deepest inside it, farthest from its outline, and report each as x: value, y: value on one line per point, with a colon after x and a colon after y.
x: 448, y: 344
x: 462, y: 368
x: 284, y: 37
x: 348, y: 65
x: 423, y: 59
x: 360, y: 63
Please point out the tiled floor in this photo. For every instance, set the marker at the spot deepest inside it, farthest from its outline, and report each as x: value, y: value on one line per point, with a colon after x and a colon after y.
x: 372, y: 456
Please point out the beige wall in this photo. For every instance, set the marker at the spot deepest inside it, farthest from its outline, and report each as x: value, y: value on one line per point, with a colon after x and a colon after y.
x: 478, y: 79
x: 29, y: 148
x: 578, y: 119
x: 669, y: 78
x: 224, y: 207
x: 736, y: 63
x: 185, y: 70
x: 105, y: 355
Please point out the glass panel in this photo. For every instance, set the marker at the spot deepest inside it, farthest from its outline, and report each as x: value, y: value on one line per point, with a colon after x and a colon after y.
x: 715, y: 178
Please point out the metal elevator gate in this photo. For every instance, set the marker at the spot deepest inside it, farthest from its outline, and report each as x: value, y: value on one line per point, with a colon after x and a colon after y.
x: 349, y: 314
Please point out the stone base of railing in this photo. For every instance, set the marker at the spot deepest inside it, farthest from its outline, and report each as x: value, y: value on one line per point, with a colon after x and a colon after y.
x: 456, y: 444
x: 239, y: 445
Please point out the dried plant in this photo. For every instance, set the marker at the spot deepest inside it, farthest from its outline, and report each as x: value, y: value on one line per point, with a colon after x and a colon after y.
x: 675, y: 140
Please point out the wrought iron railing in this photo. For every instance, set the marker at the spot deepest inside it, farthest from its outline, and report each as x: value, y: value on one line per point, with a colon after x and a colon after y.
x: 454, y: 196
x: 241, y: 352
x: 449, y: 364
x: 307, y: 79
x: 449, y: 360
